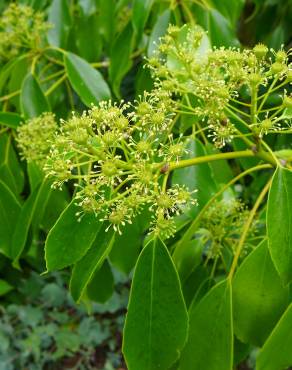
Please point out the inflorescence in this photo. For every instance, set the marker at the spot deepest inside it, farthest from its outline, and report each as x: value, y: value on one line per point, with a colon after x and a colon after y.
x: 119, y: 154
x: 21, y: 28
x: 223, y: 87
x: 115, y: 154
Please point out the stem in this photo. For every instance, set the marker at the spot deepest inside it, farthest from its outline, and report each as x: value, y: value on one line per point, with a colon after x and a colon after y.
x: 192, y: 228
x: 55, y: 85
x: 11, y: 95
x: 253, y: 108
x: 208, y: 158
x: 105, y: 63
x: 246, y: 228
x: 266, y: 95
x: 53, y: 75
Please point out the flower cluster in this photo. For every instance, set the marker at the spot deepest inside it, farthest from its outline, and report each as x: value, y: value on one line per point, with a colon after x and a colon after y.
x: 117, y: 155
x: 222, y: 225
x: 35, y: 136
x: 21, y: 27
x: 222, y: 87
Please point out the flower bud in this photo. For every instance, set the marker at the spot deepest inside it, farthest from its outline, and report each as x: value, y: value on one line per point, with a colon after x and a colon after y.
x: 287, y: 102
x: 260, y: 51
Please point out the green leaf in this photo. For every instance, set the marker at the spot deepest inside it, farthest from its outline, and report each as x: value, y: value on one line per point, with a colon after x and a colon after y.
x: 88, y: 83
x: 85, y: 269
x: 156, y: 324
x: 158, y: 31
x: 259, y: 298
x: 70, y: 239
x: 141, y: 11
x: 31, y: 213
x: 10, y: 170
x: 210, y: 341
x: 231, y: 9
x: 9, y: 211
x: 197, y: 177
x: 32, y: 99
x: 88, y: 38
x: 220, y: 30
x: 187, y: 257
x: 101, y: 287
x: 59, y: 17
x: 5, y: 287
x: 279, y: 222
x: 120, y: 58
x: 276, y: 353
x: 9, y: 119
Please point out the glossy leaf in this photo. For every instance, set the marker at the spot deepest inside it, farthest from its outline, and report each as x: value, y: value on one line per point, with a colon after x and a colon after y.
x: 120, y: 58
x: 9, y: 211
x: 59, y: 17
x: 279, y: 222
x: 141, y: 10
x: 101, y: 286
x: 259, y: 298
x: 9, y: 119
x: 85, y: 269
x: 88, y: 83
x: 32, y: 99
x: 70, y: 239
x: 156, y: 323
x: 276, y: 353
x: 210, y: 340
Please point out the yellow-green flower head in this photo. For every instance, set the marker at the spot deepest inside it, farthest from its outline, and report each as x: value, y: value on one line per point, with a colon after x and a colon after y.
x: 35, y: 137
x: 21, y: 27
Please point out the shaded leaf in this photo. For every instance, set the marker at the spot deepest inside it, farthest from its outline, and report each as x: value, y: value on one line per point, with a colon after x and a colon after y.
x: 5, y: 287
x: 276, y: 353
x: 279, y: 222
x: 32, y: 99
x: 101, y: 287
x: 31, y: 213
x: 10, y: 170
x: 9, y: 211
x: 210, y: 340
x: 59, y: 17
x: 9, y: 119
x: 85, y: 269
x: 259, y: 297
x: 120, y: 58
x: 141, y: 11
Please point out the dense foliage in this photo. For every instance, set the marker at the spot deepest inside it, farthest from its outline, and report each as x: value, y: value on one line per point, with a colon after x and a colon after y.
x: 146, y: 142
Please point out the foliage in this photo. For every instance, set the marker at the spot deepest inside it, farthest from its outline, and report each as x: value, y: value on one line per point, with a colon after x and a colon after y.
x: 152, y: 136
x: 48, y: 331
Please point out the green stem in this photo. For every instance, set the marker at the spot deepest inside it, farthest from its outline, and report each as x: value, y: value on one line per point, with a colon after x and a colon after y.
x: 253, y: 108
x: 208, y: 158
x: 246, y: 228
x: 55, y: 85
x: 9, y: 96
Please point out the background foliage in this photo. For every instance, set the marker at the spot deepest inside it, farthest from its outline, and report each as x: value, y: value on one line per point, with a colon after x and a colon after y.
x: 101, y: 43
